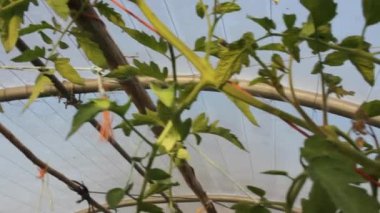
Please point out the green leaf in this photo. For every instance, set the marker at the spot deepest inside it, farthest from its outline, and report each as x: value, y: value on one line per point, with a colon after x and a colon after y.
x: 294, y: 190
x: 291, y: 41
x: 108, y: 12
x: 150, y: 118
x: 371, y: 10
x: 277, y: 62
x: 226, y: 7
x: 45, y: 37
x: 125, y: 127
x: 257, y: 191
x: 335, y: 58
x: 63, y: 66
x: 234, y: 57
x: 141, y: 69
x: 12, y: 8
x: 355, y: 41
x: 41, y: 82
x: 245, y: 109
x: 319, y: 201
x: 150, y: 41
x: 201, y: 9
x: 369, y: 109
x: 165, y: 95
x: 158, y: 187
x: 322, y: 11
x: 149, y: 207
x: 91, y: 49
x: 324, y: 34
x: 30, y: 54
x: 114, y: 197
x: 365, y: 66
x: 276, y: 172
x: 88, y: 111
x: 151, y: 70
x: 200, y: 125
x: 214, y: 47
x: 289, y: 20
x: 157, y: 174
x: 335, y: 173
x: 60, y: 7
x: 35, y: 27
x: 249, y: 208
x: 318, y: 68
x: 63, y: 45
x: 273, y: 47
x: 265, y: 23
x: 308, y: 28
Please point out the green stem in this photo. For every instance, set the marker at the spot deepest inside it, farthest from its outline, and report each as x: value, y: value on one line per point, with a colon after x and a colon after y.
x: 347, y: 138
x: 137, y: 132
x: 296, y: 103
x: 249, y: 99
x: 371, y: 166
x: 323, y: 88
x: 352, y: 51
x: 152, y: 156
x: 190, y: 98
x: 170, y: 194
x: 199, y: 63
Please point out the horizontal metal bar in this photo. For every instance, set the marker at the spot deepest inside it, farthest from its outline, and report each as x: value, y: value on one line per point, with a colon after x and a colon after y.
x: 192, y: 199
x: 308, y: 99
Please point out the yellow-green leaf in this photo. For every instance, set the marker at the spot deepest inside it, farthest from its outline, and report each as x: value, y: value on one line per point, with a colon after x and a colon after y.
x: 92, y: 50
x: 226, y: 7
x: 63, y: 66
x: 60, y: 7
x: 201, y: 9
x: 166, y: 96
x: 41, y: 82
x: 244, y: 108
x: 10, y: 35
x: 183, y: 154
x: 200, y: 125
x: 168, y: 138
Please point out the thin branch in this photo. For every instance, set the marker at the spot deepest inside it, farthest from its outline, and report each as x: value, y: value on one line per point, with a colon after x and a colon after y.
x: 73, y: 185
x: 22, y: 46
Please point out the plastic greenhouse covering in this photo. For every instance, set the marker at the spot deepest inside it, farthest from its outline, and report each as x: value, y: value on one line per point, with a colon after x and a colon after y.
x: 223, y: 170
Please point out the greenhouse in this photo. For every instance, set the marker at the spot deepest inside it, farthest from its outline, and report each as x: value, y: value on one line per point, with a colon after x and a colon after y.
x: 246, y: 106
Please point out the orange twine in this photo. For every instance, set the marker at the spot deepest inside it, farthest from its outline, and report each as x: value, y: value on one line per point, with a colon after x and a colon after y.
x: 200, y: 210
x: 106, y: 126
x: 42, y: 172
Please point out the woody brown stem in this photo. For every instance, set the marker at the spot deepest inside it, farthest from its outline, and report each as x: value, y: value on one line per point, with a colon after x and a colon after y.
x: 41, y: 164
x: 89, y: 21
